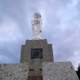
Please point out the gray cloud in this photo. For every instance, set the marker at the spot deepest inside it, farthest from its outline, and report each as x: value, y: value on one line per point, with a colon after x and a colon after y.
x: 60, y: 26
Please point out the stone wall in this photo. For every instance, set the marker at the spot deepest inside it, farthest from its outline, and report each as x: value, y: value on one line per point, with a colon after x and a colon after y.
x: 59, y: 71
x: 13, y: 71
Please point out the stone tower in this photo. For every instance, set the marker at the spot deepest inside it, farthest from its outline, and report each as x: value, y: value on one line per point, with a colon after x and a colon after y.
x: 36, y: 51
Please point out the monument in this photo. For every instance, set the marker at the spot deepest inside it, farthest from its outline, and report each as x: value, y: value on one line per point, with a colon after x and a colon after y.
x: 37, y: 50
x: 37, y: 60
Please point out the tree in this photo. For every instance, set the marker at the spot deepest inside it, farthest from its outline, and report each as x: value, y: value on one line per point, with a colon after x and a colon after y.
x: 79, y: 68
x: 78, y: 72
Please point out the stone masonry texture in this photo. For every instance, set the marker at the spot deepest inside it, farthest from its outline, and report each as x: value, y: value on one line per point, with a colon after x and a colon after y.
x: 59, y: 71
x: 13, y: 71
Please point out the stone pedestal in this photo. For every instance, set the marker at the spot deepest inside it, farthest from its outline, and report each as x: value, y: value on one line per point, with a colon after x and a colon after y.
x: 35, y: 52
x: 26, y: 50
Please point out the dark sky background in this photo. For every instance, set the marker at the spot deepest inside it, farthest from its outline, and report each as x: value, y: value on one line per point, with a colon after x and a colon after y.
x: 61, y: 27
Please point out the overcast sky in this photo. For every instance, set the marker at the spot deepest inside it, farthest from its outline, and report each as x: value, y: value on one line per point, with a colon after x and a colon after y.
x: 61, y: 27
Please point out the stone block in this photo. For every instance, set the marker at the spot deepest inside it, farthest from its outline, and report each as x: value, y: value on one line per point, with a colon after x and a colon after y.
x: 13, y: 71
x: 59, y: 71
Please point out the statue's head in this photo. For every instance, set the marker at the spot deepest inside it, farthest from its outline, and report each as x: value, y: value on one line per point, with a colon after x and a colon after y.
x: 37, y: 15
x: 36, y: 20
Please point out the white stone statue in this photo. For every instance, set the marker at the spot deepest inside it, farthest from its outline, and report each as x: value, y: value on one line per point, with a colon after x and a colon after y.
x: 37, y: 26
